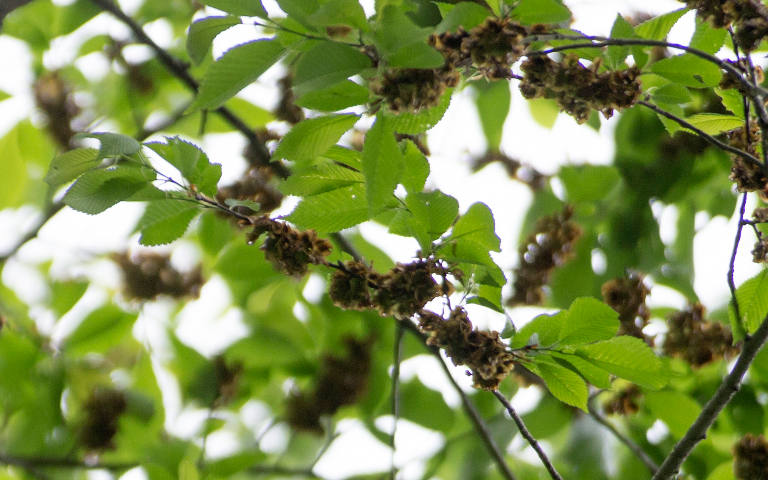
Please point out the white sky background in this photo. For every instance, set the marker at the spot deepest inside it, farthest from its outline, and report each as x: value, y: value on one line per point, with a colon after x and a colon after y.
x: 74, y: 240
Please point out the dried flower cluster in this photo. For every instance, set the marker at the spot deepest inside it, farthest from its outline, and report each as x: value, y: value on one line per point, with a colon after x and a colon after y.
x: 290, y: 250
x: 102, y: 413
x: 749, y: 176
x: 549, y: 246
x: 54, y: 98
x: 751, y: 458
x: 401, y: 292
x: 627, y: 297
x: 340, y: 382
x: 696, y: 340
x: 491, y: 47
x: 286, y: 108
x: 148, y: 275
x: 623, y: 402
x: 579, y: 89
x: 749, y: 17
x: 483, y: 352
x: 516, y: 170
x: 412, y: 89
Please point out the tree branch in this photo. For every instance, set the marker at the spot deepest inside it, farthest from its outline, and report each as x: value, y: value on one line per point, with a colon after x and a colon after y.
x: 527, y: 435
x: 397, y: 354
x: 732, y: 264
x: 635, y: 448
x: 179, y: 69
x: 714, y: 406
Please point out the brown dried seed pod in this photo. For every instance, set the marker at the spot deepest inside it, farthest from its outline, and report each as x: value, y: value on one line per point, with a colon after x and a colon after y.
x: 696, y: 340
x: 751, y: 458
x: 623, y: 402
x: 148, y: 275
x: 405, y: 289
x: 412, y: 89
x: 627, y: 297
x: 760, y: 251
x: 349, y: 287
x: 102, y: 412
x: 289, y: 250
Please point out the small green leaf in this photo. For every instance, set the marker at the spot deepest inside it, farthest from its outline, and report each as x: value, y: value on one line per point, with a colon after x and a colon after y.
x: 319, y: 179
x: 436, y: 211
x: 332, y: 211
x: 493, y: 99
x: 688, y: 70
x: 326, y: 64
x: 336, y: 97
x: 707, y: 38
x: 191, y: 162
x: 226, y: 467
x: 753, y: 301
x: 617, y: 54
x: 629, y: 358
x: 474, y: 236
x: 311, y: 138
x: 99, y: 331
x: 544, y: 111
x: 113, y: 144
x: 589, y: 320
x: 465, y: 14
x: 714, y: 123
x: 671, y: 94
x: 588, y: 183
x: 4, y: 95
x: 97, y: 190
x: 591, y: 373
x: 393, y: 29
x: 421, y: 121
x: 657, y: 28
x: 565, y: 384
x: 425, y: 406
x: 69, y: 165
x: 382, y: 164
x: 64, y: 295
x: 416, y: 55
x: 546, y: 327
x: 530, y: 12
x: 732, y: 100
x: 165, y: 221
x: 247, y: 8
x: 238, y: 67
x: 416, y: 168
x: 203, y: 31
x: 676, y: 409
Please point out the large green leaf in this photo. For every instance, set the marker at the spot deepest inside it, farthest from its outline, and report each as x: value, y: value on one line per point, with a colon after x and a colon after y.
x: 238, y: 67
x: 101, y: 330
x: 657, y: 28
x: 688, y: 70
x: 546, y: 328
x: 715, y: 123
x: 250, y: 8
x: 113, y: 144
x: 320, y: 178
x: 69, y: 165
x: 493, y: 106
x: 425, y: 406
x: 707, y: 38
x: 332, y: 211
x: 753, y: 301
x: 336, y: 97
x: 382, y: 164
x: 541, y: 11
x: 436, y: 211
x: 311, y: 138
x: 565, y: 384
x: 421, y: 121
x: 588, y: 320
x: 203, y: 31
x: 165, y: 220
x: 97, y: 190
x: 465, y: 14
x: 326, y: 64
x: 629, y: 358
x: 191, y: 162
x: 676, y: 409
x: 474, y: 235
x: 416, y: 168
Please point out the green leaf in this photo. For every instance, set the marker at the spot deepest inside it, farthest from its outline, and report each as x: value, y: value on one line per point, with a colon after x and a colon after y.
x: 320, y: 179
x: 237, y: 68
x: 530, y: 12
x: 416, y: 55
x: 565, y: 384
x: 99, y: 331
x: 671, y: 94
x: 394, y: 29
x: 113, y: 144
x: 188, y: 470
x: 4, y: 95
x: 165, y: 220
x: 676, y: 409
x: 629, y: 358
x: 474, y: 236
x: 326, y: 64
x: 382, y: 164
x: 732, y: 100
x: 97, y: 190
x: 688, y: 70
x: 657, y: 28
x: 493, y: 106
x: 64, y: 295
x: 339, y: 12
x: 203, y: 31
x: 591, y: 373
x: 247, y: 8
x: 228, y: 466
x: 714, y: 123
x: 336, y: 97
x: 415, y: 169
x: 332, y: 211
x: 753, y: 301
x: 435, y: 210
x: 425, y: 406
x: 617, y: 54
x: 191, y: 162
x: 707, y: 38
x: 589, y: 320
x: 588, y: 183
x: 546, y: 327
x: 544, y: 111
x: 421, y: 121
x: 311, y: 138
x: 464, y: 14
x: 69, y: 165
x: 488, y: 296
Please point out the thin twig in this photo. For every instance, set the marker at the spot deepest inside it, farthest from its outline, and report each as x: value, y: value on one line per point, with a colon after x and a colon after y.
x: 628, y: 442
x: 346, y: 246
x: 527, y: 435
x: 397, y: 354
x: 715, y: 405
x: 732, y: 264
x: 45, y: 462
x: 702, y: 134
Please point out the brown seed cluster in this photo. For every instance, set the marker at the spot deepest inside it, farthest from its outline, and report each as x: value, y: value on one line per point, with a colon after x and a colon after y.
x: 102, y: 413
x: 749, y: 17
x: 491, y: 47
x: 696, y: 340
x: 227, y: 377
x: 412, y: 89
x: 751, y: 458
x: 549, y: 246
x: 760, y: 250
x: 623, y: 402
x: 579, y: 89
x: 253, y: 186
x: 483, y: 352
x: 749, y: 176
x: 290, y: 250
x: 401, y: 292
x: 341, y: 381
x: 54, y: 97
x: 286, y: 109
x: 148, y: 275
x: 627, y: 296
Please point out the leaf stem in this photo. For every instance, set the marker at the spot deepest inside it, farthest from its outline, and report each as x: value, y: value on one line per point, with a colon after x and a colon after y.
x: 527, y: 435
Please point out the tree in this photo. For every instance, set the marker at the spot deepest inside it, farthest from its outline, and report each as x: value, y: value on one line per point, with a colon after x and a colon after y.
x: 86, y: 380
